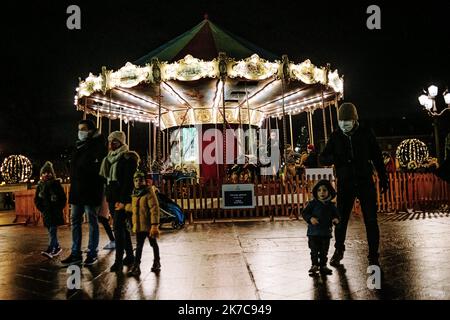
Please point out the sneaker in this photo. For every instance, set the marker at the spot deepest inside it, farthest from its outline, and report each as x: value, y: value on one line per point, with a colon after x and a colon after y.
x: 116, y: 267
x: 135, y: 271
x: 325, y: 270
x: 89, y: 261
x: 110, y: 246
x: 128, y: 261
x: 313, y: 270
x: 47, y: 253
x: 156, y: 266
x: 56, y: 251
x: 337, y: 257
x: 71, y: 260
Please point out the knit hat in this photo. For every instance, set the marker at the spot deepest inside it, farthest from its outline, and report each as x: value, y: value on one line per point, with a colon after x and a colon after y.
x: 139, y: 174
x: 47, y: 167
x: 327, y: 185
x: 347, y: 111
x: 89, y: 123
x: 117, y: 135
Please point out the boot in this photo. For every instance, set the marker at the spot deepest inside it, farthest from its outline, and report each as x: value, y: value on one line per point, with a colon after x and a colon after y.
x: 337, y: 257
x: 135, y: 271
x: 156, y: 266
x: 325, y: 270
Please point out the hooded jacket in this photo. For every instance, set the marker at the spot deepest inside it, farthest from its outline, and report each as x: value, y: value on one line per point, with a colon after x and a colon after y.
x: 325, y: 212
x: 354, y: 156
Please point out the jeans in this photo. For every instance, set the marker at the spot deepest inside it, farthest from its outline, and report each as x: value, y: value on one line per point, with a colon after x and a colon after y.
x: 123, y: 236
x: 140, y: 239
x: 53, y: 237
x: 77, y: 218
x: 367, y: 196
x: 319, y: 250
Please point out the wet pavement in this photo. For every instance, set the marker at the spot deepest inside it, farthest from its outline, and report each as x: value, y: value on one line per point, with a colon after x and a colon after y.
x: 242, y: 260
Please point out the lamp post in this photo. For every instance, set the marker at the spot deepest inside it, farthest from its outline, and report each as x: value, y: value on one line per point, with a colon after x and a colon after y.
x: 428, y: 101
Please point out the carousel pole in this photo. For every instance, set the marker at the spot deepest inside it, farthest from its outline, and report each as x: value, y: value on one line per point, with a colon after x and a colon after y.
x: 149, y: 138
x: 98, y: 118
x: 223, y: 76
x: 290, y: 125
x: 164, y: 144
x: 250, y: 140
x: 120, y: 119
x: 324, y: 119
x: 128, y: 132
x: 331, y: 115
x: 109, y: 118
x: 159, y: 123
x: 156, y: 72
x: 84, y: 109
x: 154, y: 141
x: 284, y: 77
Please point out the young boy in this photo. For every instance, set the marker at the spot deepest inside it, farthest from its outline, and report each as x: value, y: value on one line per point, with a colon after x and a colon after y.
x: 50, y: 200
x: 145, y: 218
x: 320, y: 214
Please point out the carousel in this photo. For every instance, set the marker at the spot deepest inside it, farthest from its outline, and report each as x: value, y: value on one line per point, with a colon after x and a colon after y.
x: 208, y: 78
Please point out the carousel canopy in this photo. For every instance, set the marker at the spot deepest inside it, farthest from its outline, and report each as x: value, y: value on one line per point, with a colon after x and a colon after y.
x: 202, y: 75
x: 205, y: 41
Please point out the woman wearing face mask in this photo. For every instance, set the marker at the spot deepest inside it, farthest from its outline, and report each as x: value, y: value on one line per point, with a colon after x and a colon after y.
x: 354, y: 151
x: 86, y: 190
x: 118, y: 168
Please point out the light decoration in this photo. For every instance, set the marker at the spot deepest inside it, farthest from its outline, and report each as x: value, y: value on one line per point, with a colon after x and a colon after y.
x: 253, y: 68
x: 189, y: 69
x: 16, y: 169
x: 336, y: 83
x: 129, y: 76
x: 305, y: 72
x: 412, y: 153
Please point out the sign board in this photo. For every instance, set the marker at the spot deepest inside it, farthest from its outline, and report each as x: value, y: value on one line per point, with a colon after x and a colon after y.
x: 238, y: 196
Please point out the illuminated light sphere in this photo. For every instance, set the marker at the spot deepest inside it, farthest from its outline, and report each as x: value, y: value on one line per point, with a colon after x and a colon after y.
x: 411, y: 153
x: 16, y: 169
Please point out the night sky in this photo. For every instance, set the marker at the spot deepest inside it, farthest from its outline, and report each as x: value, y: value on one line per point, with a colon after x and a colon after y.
x: 385, y: 70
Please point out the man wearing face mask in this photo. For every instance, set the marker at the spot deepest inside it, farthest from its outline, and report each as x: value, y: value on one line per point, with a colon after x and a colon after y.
x: 86, y: 190
x: 354, y: 151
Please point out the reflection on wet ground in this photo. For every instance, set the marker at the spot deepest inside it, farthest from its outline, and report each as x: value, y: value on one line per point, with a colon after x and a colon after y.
x: 242, y: 260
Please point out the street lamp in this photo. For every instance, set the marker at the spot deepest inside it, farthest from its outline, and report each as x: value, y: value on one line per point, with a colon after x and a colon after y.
x: 428, y: 101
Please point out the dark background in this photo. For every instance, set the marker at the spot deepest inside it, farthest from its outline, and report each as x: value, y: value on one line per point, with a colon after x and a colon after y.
x: 385, y: 70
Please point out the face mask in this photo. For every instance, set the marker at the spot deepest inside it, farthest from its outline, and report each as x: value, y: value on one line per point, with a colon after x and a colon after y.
x: 346, y: 125
x: 83, y: 135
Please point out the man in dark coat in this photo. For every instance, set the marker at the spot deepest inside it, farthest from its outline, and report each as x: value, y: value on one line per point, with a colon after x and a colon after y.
x: 86, y: 189
x: 354, y: 151
x: 118, y: 168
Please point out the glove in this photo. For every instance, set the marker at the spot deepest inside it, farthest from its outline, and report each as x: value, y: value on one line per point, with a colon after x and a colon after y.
x: 384, y: 184
x: 154, y: 231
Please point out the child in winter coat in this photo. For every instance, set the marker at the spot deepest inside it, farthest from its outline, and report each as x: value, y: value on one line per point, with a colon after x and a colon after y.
x: 50, y: 200
x: 145, y: 219
x: 320, y: 214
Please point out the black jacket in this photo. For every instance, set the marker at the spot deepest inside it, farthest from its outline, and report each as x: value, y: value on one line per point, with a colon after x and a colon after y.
x: 325, y: 212
x: 50, y: 200
x: 86, y: 186
x: 354, y: 156
x: 120, y: 190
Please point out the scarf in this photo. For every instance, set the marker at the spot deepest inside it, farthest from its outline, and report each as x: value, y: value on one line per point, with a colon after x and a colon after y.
x: 140, y: 192
x: 108, y: 168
